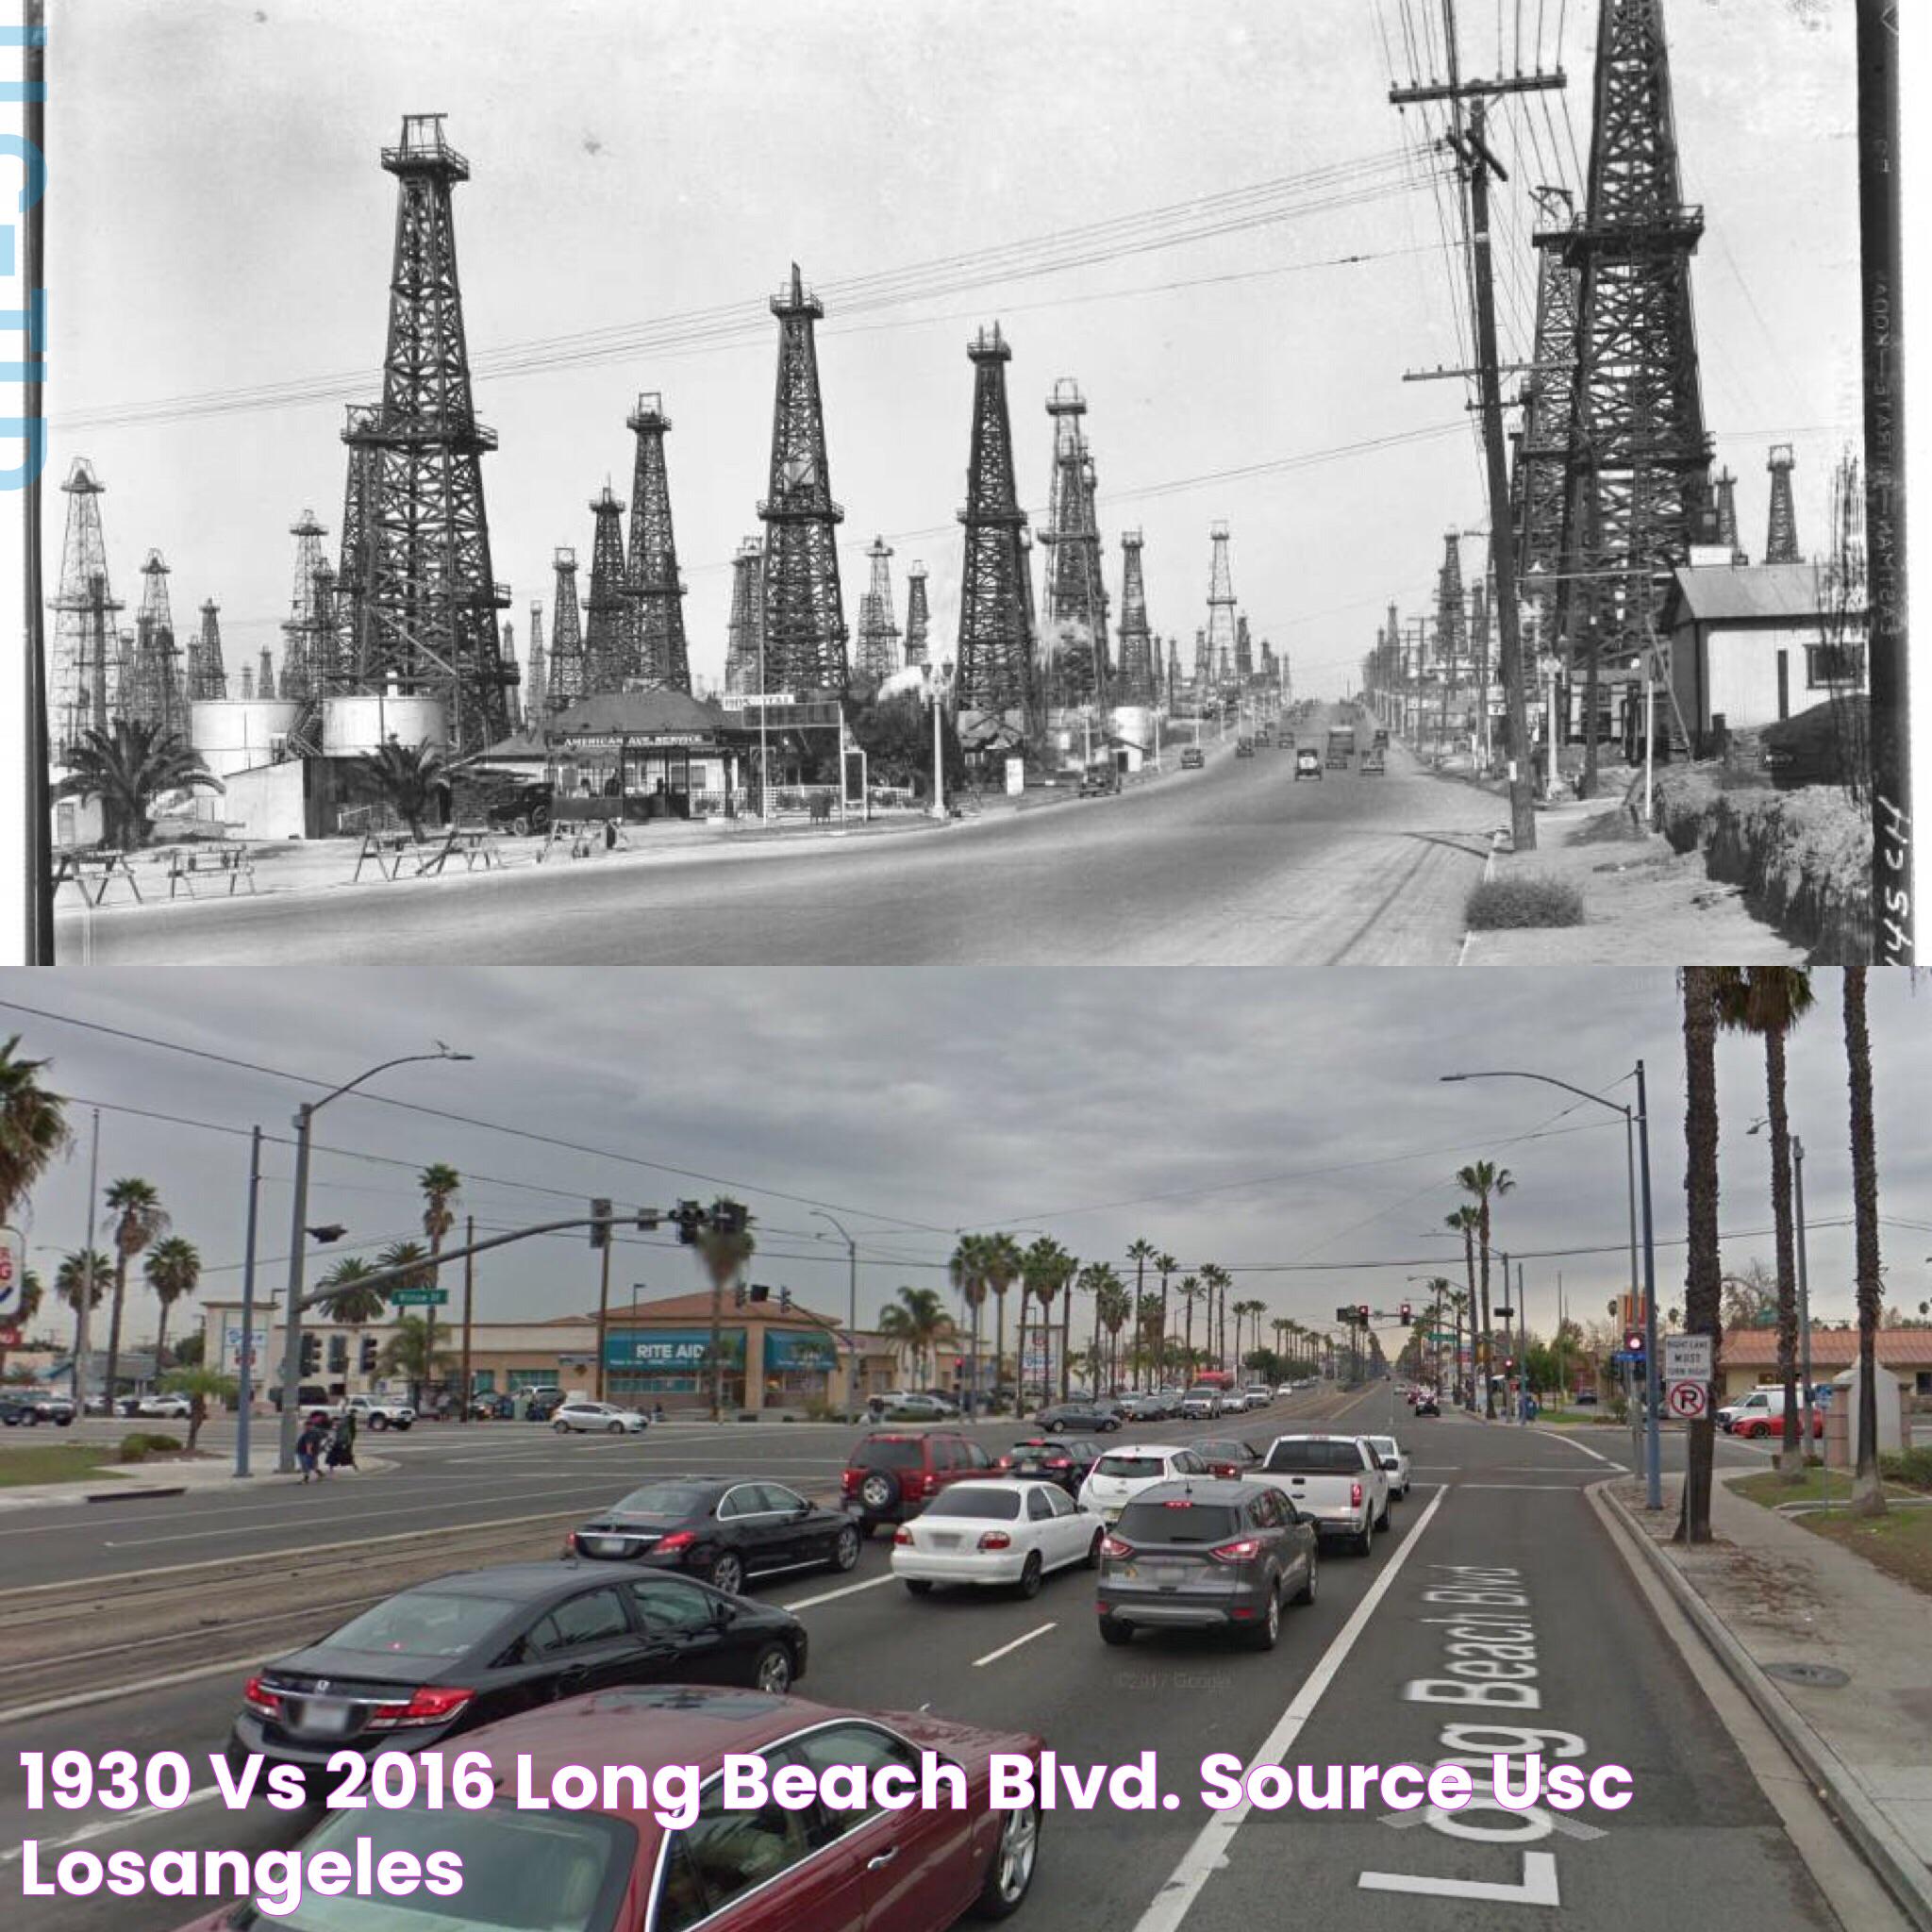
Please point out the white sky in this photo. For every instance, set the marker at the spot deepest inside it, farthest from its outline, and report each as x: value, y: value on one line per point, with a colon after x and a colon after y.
x: 219, y: 221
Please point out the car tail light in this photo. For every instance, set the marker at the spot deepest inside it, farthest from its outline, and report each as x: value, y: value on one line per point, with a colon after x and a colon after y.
x: 432, y: 1704
x: 677, y: 1539
x: 848, y: 1483
x: 1354, y: 1495
x: 570, y: 1543
x: 996, y: 1540
x: 901, y: 1535
x: 1113, y: 1546
x: 1237, y: 1552
x: 257, y: 1697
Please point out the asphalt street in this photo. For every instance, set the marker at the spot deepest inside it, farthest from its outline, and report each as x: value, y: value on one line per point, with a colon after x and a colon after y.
x: 1497, y: 1525
x: 1236, y: 864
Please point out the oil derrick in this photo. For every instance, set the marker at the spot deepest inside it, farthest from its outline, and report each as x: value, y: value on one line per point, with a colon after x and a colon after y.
x: 744, y: 635
x: 1138, y: 668
x: 1173, y: 673
x: 536, y: 686
x: 1243, y: 650
x: 876, y: 646
x: 1781, y: 534
x: 156, y: 695
x: 265, y: 677
x: 1452, y: 632
x: 207, y: 677
x: 1727, y: 516
x: 1076, y: 591
x: 84, y: 611
x: 656, y: 615
x: 568, y: 679
x: 247, y: 682
x: 607, y: 665
x: 1538, y: 478
x: 995, y: 658
x: 1479, y: 639
x: 420, y: 584
x: 1203, y: 668
x: 804, y: 615
x: 303, y: 649
x: 510, y: 653
x: 1220, y: 631
x: 918, y: 618
x: 326, y: 645
x: 1638, y: 490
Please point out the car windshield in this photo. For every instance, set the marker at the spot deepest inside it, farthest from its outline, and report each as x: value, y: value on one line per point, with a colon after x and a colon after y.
x: 887, y: 1456
x: 976, y: 1499
x: 1385, y: 1445
x: 664, y: 1499
x: 1177, y: 1522
x: 522, y: 1872
x: 1315, y: 1457
x: 1228, y: 1452
x: 422, y: 1623
x: 1131, y: 1465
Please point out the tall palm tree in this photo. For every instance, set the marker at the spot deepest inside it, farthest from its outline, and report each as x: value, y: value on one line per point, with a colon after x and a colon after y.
x: 439, y: 1184
x: 140, y: 1220
x: 1114, y: 1303
x: 1042, y: 1274
x: 82, y: 1279
x: 967, y: 1271
x: 1003, y: 1268
x: 1111, y: 1302
x: 916, y: 1323
x: 410, y: 779
x: 1867, y: 1491
x: 1703, y: 988
x: 1484, y: 1180
x: 722, y: 1255
x: 127, y: 767
x: 1768, y: 1000
x: 1191, y: 1291
x: 174, y: 1269
x: 1213, y: 1286
x: 33, y: 1126
x: 346, y: 1300
x: 1465, y: 1220
x: 1139, y: 1251
x: 1164, y: 1265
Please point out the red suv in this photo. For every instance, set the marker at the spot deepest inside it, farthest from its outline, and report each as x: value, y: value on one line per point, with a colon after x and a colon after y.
x: 893, y: 1474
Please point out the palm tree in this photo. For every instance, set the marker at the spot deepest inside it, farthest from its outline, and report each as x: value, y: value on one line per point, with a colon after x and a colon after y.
x: 967, y: 1271
x: 410, y: 779
x: 721, y: 1253
x: 127, y: 767
x: 343, y: 1297
x: 1465, y: 1220
x: 1003, y: 1268
x: 33, y: 1128
x: 439, y: 1184
x: 1190, y: 1290
x: 1768, y: 1000
x: 1114, y: 1305
x: 418, y: 1271
x: 174, y: 1269
x: 1703, y: 990
x: 1044, y: 1270
x: 1867, y: 1491
x: 1485, y: 1180
x: 139, y: 1220
x: 198, y: 1384
x: 1164, y: 1265
x: 82, y: 1279
x: 1139, y: 1251
x: 411, y: 1352
x: 1111, y: 1302
x: 915, y: 1323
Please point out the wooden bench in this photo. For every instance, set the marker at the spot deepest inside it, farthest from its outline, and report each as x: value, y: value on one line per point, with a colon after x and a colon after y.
x: 76, y: 868
x: 231, y: 862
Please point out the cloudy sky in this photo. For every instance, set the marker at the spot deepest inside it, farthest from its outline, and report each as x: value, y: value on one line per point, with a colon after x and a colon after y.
x: 642, y: 175
x: 1284, y: 1124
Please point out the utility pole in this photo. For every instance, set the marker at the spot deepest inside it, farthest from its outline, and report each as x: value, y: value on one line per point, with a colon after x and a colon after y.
x: 469, y: 1295
x: 603, y: 1308
x: 87, y: 1293
x: 244, y: 1380
x: 1804, y: 1297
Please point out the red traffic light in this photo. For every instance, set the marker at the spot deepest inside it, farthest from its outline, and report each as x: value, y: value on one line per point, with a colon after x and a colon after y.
x: 1361, y: 1314
x: 1406, y: 1316
x: 1633, y: 1342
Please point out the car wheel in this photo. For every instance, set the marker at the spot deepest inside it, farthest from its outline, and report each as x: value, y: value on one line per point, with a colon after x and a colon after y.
x: 1093, y: 1549
x: 727, y: 1573
x: 917, y: 1586
x: 378, y: 1421
x: 406, y: 1426
x: 1028, y: 1585
x: 1382, y: 1520
x: 561, y: 1429
x: 1364, y: 1539
x: 1056, y: 1428
x: 879, y: 1491
x: 1012, y: 1870
x: 1305, y: 1594
x: 615, y: 1429
x: 845, y: 1548
x: 1267, y: 1633
x: 521, y: 825
x: 1113, y: 1631
x: 772, y: 1672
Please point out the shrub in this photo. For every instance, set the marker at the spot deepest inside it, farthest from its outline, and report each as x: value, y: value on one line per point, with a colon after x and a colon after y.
x: 140, y: 1445
x: 1912, y: 1467
x: 1526, y: 900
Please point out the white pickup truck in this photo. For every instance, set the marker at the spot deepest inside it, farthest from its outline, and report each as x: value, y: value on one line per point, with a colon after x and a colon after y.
x: 1337, y: 1481
x: 372, y: 1412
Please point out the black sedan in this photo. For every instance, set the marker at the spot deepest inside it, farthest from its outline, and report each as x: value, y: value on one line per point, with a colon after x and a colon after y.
x: 721, y: 1528
x: 429, y: 1663
x: 1079, y: 1415
x: 1065, y: 1463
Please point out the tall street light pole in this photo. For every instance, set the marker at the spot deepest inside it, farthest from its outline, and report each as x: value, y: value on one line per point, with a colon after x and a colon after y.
x: 291, y: 1327
x: 852, y: 1308
x: 1640, y: 1117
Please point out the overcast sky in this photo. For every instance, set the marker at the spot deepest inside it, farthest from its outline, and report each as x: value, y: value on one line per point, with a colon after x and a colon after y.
x: 1281, y: 1123
x: 219, y: 221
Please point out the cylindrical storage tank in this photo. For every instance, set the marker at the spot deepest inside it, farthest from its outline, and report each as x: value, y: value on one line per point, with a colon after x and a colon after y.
x: 354, y: 724
x: 236, y: 734
x: 1135, y: 724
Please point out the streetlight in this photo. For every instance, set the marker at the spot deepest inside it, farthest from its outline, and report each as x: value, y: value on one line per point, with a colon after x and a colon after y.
x: 1639, y: 1120
x: 850, y: 1307
x: 1803, y: 1291
x: 292, y: 1332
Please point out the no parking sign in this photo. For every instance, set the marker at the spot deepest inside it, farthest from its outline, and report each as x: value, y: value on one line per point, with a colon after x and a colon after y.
x: 1687, y: 1401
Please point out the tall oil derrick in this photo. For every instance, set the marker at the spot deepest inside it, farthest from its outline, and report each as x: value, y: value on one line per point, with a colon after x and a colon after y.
x: 247, y: 682
x: 1781, y: 532
x: 83, y: 693
x: 1075, y: 587
x: 804, y: 614
x: 326, y: 645
x: 744, y: 631
x: 1204, y: 667
x: 918, y: 616
x: 208, y: 676
x: 1243, y: 649
x: 510, y: 652
x: 995, y: 660
x: 421, y: 589
x: 608, y: 663
x: 536, y: 683
x: 567, y: 678
x: 1173, y: 673
x: 1479, y: 640
x: 1138, y: 670
x: 352, y: 572
x: 265, y: 677
x: 1726, y: 487
x: 656, y: 590
x: 1451, y: 617
x: 304, y: 650
x: 1638, y: 484
x: 878, y: 634
x: 1220, y: 633
x: 156, y: 696
x: 1540, y: 477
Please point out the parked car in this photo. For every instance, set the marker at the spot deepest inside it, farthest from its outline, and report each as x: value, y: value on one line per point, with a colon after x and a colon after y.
x: 488, y: 1407
x: 1099, y: 782
x: 19, y: 1411
x: 436, y: 1662
x: 1336, y: 1479
x: 1213, y: 1554
x: 1256, y: 1397
x: 718, y: 1527
x: 372, y: 1412
x: 1122, y: 1473
x: 581, y: 1417
x: 1064, y: 1462
x: 1000, y: 1531
x: 891, y: 1474
x: 543, y: 1402
x: 1394, y: 1460
x: 1204, y: 1402
x: 1375, y: 764
x: 1227, y: 1455
x: 1144, y: 1408
x: 918, y: 1407
x: 177, y: 1407
x: 1192, y: 759
x: 1079, y: 1415
x: 1307, y: 763
x: 1762, y: 1413
x: 525, y: 810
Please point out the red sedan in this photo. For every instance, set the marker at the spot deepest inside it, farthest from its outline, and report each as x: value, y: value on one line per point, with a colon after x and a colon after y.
x: 613, y: 1865
x: 1753, y: 1426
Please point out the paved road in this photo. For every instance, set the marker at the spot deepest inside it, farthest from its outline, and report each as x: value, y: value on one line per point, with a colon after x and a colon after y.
x: 1494, y: 1510
x: 1234, y: 865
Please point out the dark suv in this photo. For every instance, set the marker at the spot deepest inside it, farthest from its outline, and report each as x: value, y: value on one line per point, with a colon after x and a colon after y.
x: 891, y: 1474
x: 1206, y: 1555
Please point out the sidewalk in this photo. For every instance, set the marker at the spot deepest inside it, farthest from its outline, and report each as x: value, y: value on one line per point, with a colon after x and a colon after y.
x: 128, y: 1482
x: 1767, y: 1596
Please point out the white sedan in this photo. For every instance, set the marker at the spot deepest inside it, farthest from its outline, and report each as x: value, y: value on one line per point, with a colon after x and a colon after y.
x: 1394, y: 1459
x: 1121, y: 1474
x: 596, y: 1417
x: 1009, y: 1532
x: 177, y: 1406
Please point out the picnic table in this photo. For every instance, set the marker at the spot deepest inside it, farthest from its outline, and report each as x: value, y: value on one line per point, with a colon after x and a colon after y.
x: 76, y: 867
x: 231, y: 862
x: 387, y: 850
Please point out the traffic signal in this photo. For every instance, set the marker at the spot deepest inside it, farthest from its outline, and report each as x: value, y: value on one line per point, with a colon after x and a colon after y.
x: 738, y: 1295
x: 689, y: 1218
x: 648, y: 1219
x: 600, y: 1224
x: 759, y: 1292
x: 1346, y: 1315
x: 312, y: 1355
x: 729, y: 1217
x: 1633, y: 1342
x: 1361, y: 1314
x: 785, y: 1299
x: 1405, y: 1317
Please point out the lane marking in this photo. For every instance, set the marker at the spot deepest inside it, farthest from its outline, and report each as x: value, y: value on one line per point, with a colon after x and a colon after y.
x: 826, y: 1596
x: 1215, y: 1839
x: 1568, y: 1442
x: 1554, y: 1489
x: 992, y: 1657
x: 114, y: 1821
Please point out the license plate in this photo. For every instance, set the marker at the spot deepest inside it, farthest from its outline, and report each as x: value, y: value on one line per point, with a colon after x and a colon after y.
x: 326, y: 1716
x: 1110, y: 1515
x: 1164, y: 1575
x: 607, y: 1545
x: 945, y: 1543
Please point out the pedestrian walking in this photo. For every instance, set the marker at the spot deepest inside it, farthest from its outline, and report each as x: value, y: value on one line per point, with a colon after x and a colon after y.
x: 342, y: 1446
x: 309, y: 1445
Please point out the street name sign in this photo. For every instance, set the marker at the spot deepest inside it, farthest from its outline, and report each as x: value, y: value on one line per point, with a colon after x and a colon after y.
x: 1687, y: 1401
x: 1687, y: 1357
x: 419, y: 1297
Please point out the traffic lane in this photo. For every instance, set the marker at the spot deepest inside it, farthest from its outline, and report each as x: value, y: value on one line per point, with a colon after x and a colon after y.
x: 1698, y: 1843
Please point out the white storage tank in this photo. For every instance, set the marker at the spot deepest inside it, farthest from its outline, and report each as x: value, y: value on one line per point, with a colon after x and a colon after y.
x: 354, y: 724
x: 236, y: 734
x: 1135, y: 724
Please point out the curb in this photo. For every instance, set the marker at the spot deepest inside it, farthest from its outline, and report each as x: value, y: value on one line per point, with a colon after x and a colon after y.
x: 127, y: 1495
x: 1868, y: 1830
x: 1488, y: 872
